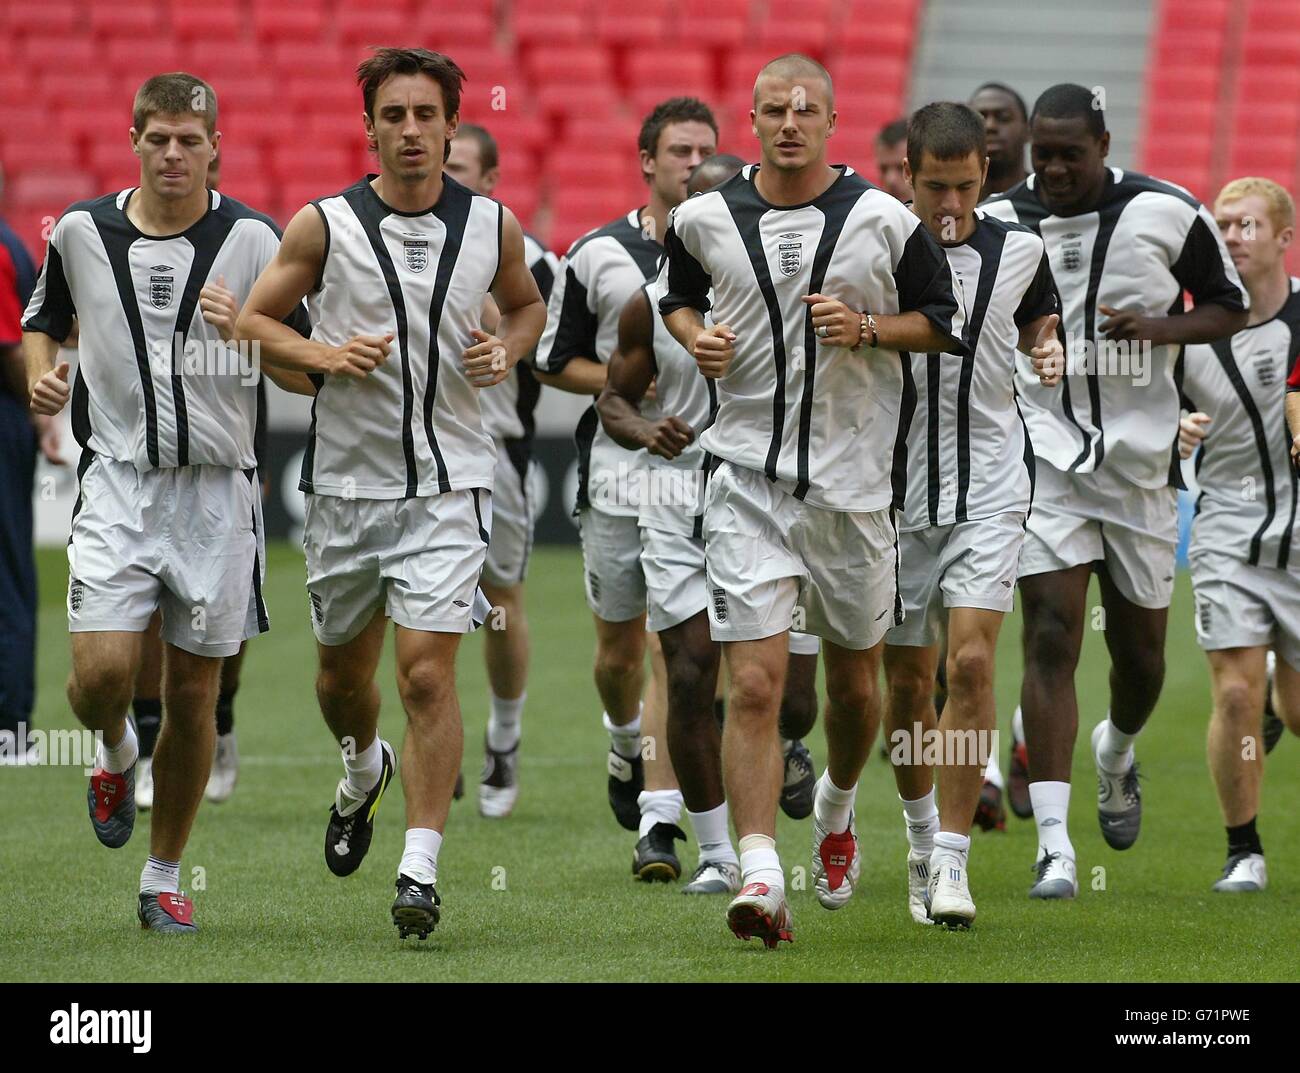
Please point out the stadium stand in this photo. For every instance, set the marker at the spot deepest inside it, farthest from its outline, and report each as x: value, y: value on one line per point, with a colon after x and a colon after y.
x: 563, y: 84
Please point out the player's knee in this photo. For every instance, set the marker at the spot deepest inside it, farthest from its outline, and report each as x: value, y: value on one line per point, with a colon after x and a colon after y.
x: 337, y: 687
x: 1141, y: 669
x: 425, y: 686
x: 970, y: 670
x: 753, y: 693
x: 798, y: 713
x: 909, y: 689
x: 100, y: 685
x: 851, y: 698
x: 1051, y: 647
x: 1236, y: 704
x: 617, y: 663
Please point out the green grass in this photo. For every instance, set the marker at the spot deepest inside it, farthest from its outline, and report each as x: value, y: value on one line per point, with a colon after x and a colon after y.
x: 570, y: 909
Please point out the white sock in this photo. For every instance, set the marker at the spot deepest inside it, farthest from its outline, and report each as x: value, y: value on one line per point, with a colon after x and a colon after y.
x: 420, y: 859
x: 1115, y: 748
x: 832, y: 804
x: 160, y: 877
x: 711, y: 832
x: 503, y: 723
x: 948, y: 843
x: 1051, y: 801
x: 1018, y: 726
x: 116, y: 759
x: 993, y: 773
x: 759, y: 862
x: 626, y: 739
x: 922, y: 819
x: 658, y: 806
x: 362, y: 770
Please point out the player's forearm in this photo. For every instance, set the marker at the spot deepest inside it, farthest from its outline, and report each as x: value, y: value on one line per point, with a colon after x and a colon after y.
x: 297, y: 383
x: 1204, y: 324
x: 910, y: 331
x: 520, y: 329
x: 622, y: 420
x: 581, y: 376
x: 1293, y: 413
x: 39, y: 352
x: 685, y: 324
x: 280, y: 346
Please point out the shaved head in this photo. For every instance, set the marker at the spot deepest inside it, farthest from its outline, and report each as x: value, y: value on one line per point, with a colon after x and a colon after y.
x: 798, y: 68
x: 712, y: 172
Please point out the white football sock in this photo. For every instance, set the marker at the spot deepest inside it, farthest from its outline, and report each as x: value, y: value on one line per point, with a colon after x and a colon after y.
x: 658, y: 806
x: 759, y: 862
x: 922, y: 819
x: 993, y: 773
x: 1018, y: 726
x: 947, y: 843
x: 503, y: 723
x: 362, y: 770
x: 832, y: 804
x: 116, y: 759
x: 1115, y: 748
x: 420, y: 860
x: 160, y: 877
x: 626, y: 739
x: 1051, y: 801
x: 711, y: 832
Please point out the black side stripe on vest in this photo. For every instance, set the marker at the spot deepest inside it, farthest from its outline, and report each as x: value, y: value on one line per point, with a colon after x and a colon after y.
x: 368, y: 210
x: 906, y: 412
x: 835, y: 212
x: 990, y: 261
x: 453, y: 210
x: 747, y: 216
x: 933, y: 381
x: 117, y: 244
x: 207, y: 238
x: 1107, y: 217
x: 1223, y: 351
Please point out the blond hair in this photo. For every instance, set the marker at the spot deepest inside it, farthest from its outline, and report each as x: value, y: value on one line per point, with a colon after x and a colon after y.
x: 1281, y: 209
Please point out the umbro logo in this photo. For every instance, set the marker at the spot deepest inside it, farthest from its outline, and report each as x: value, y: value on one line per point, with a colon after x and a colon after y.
x: 1051, y: 822
x: 460, y: 603
x: 1006, y: 584
x: 160, y: 268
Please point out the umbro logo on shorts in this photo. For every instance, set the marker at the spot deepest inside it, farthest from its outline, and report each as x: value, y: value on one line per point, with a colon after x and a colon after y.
x: 460, y: 603
x: 317, y: 611
x: 75, y: 593
x: 720, y: 605
x: 593, y: 583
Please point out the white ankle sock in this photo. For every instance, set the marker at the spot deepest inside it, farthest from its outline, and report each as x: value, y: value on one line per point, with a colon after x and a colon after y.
x: 832, y: 804
x: 626, y: 739
x: 159, y: 877
x: 1051, y: 801
x: 922, y: 819
x: 116, y: 759
x: 503, y: 723
x: 711, y: 832
x: 1018, y: 726
x: 658, y: 806
x: 1115, y: 749
x: 420, y: 860
x: 993, y: 773
x: 362, y: 769
x: 948, y: 843
x: 759, y: 862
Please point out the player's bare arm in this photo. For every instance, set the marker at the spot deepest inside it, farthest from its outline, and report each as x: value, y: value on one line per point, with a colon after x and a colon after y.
x: 580, y: 376
x: 47, y: 386
x: 490, y: 358
x: 631, y: 372
x: 1203, y: 324
x: 894, y: 331
x: 278, y: 290
x: 1040, y: 341
x: 712, y: 347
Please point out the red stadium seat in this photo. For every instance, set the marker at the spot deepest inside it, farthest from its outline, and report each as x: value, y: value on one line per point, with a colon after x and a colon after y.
x: 134, y: 19
x: 23, y: 124
x: 714, y: 23
x: 300, y: 22
x: 98, y: 123
x: 249, y: 94
x: 206, y: 22
x: 1174, y: 151
x: 1269, y: 156
x: 60, y: 89
x: 225, y: 61
x: 43, y: 154
x: 1280, y: 16
x: 795, y: 26
x: 1189, y: 117
x: 1261, y: 84
x: 328, y: 93
x: 1272, y: 47
x: 633, y: 22
x: 452, y: 29
x: 1184, y: 83
x: 40, y: 189
x: 332, y: 164
x: 1280, y: 119
x: 42, y: 17
x: 602, y: 130
x: 61, y: 53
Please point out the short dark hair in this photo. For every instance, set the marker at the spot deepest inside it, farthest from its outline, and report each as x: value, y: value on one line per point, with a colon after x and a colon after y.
x: 488, y: 155
x: 673, y: 110
x: 947, y: 131
x: 1068, y: 100
x: 376, y: 69
x: 176, y: 93
x: 893, y: 132
x: 713, y: 171
x: 1002, y: 87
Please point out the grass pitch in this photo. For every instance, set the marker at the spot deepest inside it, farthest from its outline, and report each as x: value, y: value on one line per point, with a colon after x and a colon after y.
x: 548, y: 894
